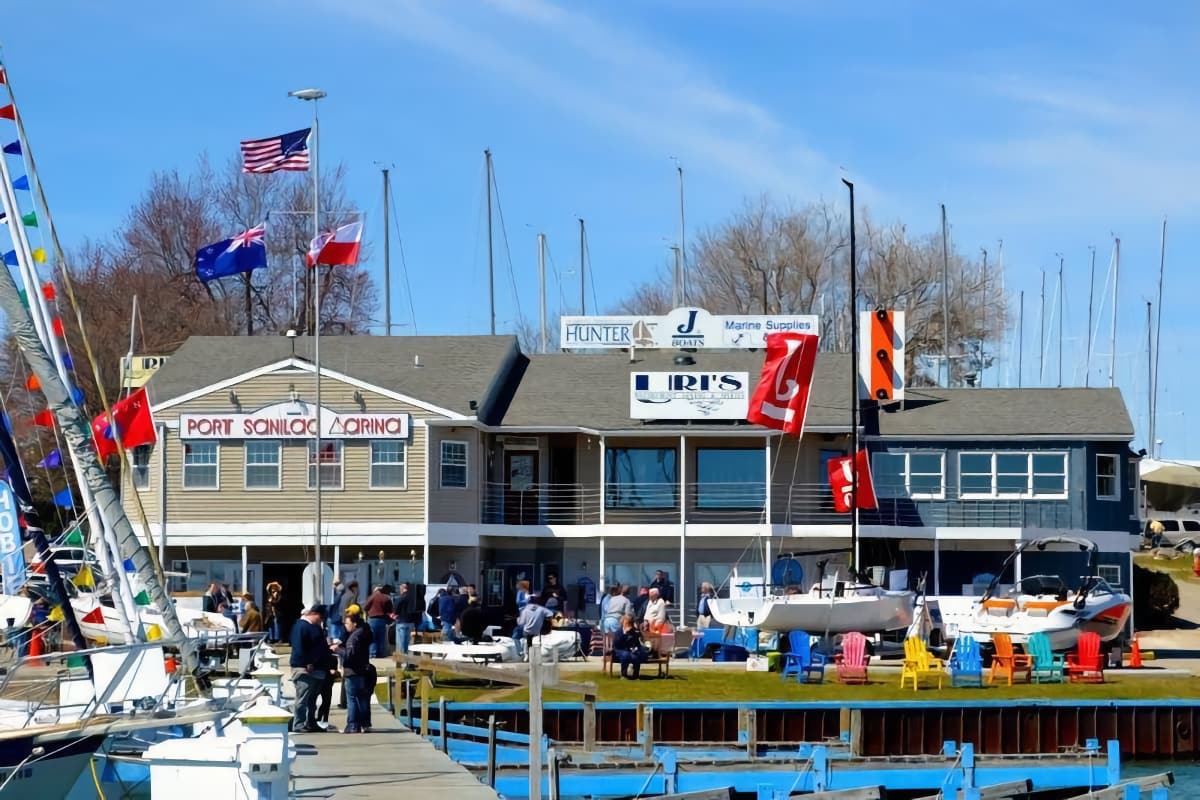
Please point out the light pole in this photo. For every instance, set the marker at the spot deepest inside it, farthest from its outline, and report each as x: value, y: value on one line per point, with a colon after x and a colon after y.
x: 315, y: 96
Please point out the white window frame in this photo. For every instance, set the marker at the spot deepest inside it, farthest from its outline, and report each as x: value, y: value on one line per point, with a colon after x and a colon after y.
x: 466, y: 463
x: 1028, y: 494
x: 907, y: 474
x: 403, y: 464
x: 183, y: 468
x: 133, y: 467
x: 278, y: 466
x: 1116, y: 476
x: 308, y: 475
x: 1102, y: 568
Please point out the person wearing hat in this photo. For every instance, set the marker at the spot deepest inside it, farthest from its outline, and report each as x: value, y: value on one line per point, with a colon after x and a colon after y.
x: 310, y: 654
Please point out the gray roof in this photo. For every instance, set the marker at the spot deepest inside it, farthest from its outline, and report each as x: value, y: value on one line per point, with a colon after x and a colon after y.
x: 454, y: 369
x: 1070, y: 413
x: 591, y: 390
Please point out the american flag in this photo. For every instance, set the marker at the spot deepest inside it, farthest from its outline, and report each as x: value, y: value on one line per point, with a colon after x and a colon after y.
x: 286, y: 152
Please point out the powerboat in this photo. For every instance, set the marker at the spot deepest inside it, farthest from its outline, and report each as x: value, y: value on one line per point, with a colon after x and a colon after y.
x: 1044, y: 604
x: 557, y: 645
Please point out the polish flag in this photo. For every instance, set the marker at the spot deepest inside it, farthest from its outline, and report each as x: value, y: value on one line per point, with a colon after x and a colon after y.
x: 338, y: 248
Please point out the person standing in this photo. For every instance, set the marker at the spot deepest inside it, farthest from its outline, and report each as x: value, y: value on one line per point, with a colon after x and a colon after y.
x: 334, y: 621
x: 666, y: 589
x: 534, y: 620
x: 271, y: 618
x: 703, y: 607
x: 379, y: 611
x: 629, y: 649
x: 309, y: 653
x: 616, y: 606
x: 656, y: 611
x: 251, y: 620
x: 554, y: 595
x: 448, y: 611
x: 347, y: 598
x: 356, y: 667
x: 409, y: 609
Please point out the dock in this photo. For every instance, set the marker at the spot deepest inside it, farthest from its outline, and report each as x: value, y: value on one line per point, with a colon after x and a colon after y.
x: 386, y: 762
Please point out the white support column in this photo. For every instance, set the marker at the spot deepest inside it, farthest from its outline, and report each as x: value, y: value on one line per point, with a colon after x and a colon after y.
x: 245, y: 569
x: 767, y: 563
x: 937, y: 566
x: 162, y: 494
x: 429, y: 473
x: 337, y: 562
x: 603, y: 478
x: 767, y: 496
x: 681, y: 581
x: 1018, y: 568
x: 603, y: 566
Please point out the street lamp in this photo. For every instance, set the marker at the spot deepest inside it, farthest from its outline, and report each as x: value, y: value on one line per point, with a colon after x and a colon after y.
x: 315, y: 95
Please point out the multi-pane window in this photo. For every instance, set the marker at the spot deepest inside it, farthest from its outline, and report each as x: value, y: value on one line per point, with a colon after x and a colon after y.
x: 1013, y: 474
x: 387, y: 464
x: 262, y: 464
x: 330, y: 466
x: 200, y: 465
x: 454, y: 465
x: 641, y: 477
x: 918, y: 475
x: 730, y: 478
x: 140, y: 465
x: 1106, y: 477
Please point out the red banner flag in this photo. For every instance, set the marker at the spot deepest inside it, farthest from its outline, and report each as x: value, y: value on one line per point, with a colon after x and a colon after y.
x: 32, y: 383
x: 841, y: 481
x: 44, y: 418
x: 133, y: 420
x: 780, y: 400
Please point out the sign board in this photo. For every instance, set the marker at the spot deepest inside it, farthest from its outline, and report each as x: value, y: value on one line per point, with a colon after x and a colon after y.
x: 293, y: 420
x: 690, y: 328
x: 881, y: 356
x: 12, y: 559
x: 689, y: 395
x: 137, y: 370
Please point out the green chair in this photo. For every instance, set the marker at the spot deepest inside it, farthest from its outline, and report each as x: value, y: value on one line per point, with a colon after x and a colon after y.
x: 1048, y: 666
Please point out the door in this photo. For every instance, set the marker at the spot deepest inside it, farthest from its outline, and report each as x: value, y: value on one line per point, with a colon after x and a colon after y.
x: 254, y: 583
x: 520, y: 487
x: 562, y: 495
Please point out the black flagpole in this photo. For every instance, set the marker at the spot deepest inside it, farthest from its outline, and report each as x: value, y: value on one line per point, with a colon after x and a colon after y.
x: 853, y: 390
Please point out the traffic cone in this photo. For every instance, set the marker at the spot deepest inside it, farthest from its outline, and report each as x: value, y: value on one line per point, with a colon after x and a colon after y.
x: 36, y: 648
x: 1135, y: 654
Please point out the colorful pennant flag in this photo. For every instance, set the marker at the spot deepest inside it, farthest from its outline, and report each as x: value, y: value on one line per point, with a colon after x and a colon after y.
x: 153, y: 633
x: 32, y: 383
x: 3, y: 75
x: 84, y: 578
x: 94, y: 617
x: 127, y: 565
x: 10, y: 258
x: 39, y: 255
x: 56, y: 614
x: 20, y: 292
x: 48, y: 292
x: 74, y: 538
x: 63, y: 498
x: 67, y: 362
x: 13, y: 148
x: 22, y: 183
x: 30, y: 219
x: 44, y: 418
x: 8, y: 112
x: 53, y: 460
x: 76, y: 392
x: 56, y: 325
x: 142, y: 599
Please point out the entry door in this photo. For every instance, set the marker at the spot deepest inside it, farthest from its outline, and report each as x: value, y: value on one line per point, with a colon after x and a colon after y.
x: 254, y: 583
x: 520, y: 487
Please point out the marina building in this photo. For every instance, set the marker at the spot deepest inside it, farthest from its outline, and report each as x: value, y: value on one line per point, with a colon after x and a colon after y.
x: 465, y: 459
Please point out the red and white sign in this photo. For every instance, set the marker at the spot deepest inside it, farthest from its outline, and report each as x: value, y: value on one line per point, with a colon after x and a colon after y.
x: 841, y: 481
x: 294, y: 421
x: 780, y: 400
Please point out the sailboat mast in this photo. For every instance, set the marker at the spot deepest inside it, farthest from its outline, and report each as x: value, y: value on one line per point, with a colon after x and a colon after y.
x: 983, y: 311
x: 487, y: 178
x: 1021, y: 340
x: 854, y: 384
x: 387, y: 259
x: 945, y: 295
x: 1060, y: 320
x: 541, y: 245
x: 1112, y: 339
x: 1042, y: 334
x: 1150, y: 378
x: 582, y: 268
x: 1162, y: 260
x: 1087, y: 373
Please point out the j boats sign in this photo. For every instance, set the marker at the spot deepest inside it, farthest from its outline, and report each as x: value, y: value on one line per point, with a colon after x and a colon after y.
x: 690, y: 328
x: 689, y: 395
x: 293, y: 421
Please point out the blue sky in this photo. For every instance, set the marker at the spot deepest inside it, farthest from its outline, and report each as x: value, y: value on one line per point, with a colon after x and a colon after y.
x: 1049, y: 126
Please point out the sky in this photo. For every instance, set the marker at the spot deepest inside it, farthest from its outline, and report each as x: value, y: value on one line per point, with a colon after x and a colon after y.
x: 1049, y: 127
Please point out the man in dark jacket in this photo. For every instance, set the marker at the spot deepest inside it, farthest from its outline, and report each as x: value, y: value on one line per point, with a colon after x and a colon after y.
x: 448, y: 611
x: 379, y: 612
x: 409, y: 610
x: 472, y: 623
x: 309, y: 653
x: 666, y: 589
x: 356, y: 667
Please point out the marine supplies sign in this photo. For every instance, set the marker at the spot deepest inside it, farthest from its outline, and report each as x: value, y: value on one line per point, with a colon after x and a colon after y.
x: 293, y: 421
x: 683, y: 328
x: 689, y: 395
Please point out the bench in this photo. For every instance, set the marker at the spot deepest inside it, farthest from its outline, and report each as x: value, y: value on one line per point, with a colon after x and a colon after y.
x: 661, y: 662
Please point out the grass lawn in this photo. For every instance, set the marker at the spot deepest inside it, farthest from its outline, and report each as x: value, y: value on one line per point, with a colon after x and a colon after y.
x: 1178, y: 568
x: 729, y: 686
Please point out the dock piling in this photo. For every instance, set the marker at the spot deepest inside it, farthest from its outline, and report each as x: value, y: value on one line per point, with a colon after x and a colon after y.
x: 491, y: 756
x: 443, y: 741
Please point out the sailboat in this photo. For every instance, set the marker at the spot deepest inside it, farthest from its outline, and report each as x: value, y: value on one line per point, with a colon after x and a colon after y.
x: 833, y: 604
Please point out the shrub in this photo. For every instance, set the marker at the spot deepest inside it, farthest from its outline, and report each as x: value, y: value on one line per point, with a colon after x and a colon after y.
x: 1155, y: 598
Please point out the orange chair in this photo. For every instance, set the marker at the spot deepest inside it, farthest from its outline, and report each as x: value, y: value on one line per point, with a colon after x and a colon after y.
x: 852, y: 661
x: 1086, y: 664
x: 1006, y: 662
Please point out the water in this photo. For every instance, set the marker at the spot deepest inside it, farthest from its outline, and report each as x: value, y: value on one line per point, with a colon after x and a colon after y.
x: 1187, y: 775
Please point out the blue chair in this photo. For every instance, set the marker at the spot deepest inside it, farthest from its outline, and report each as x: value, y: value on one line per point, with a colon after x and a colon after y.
x: 800, y: 660
x: 966, y: 663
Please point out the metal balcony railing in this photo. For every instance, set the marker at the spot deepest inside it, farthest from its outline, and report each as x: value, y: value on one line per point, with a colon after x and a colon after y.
x: 742, y: 503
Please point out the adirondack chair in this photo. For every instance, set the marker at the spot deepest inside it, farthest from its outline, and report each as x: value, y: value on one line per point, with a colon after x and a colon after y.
x: 800, y: 660
x: 852, y: 661
x: 1086, y: 664
x: 920, y: 663
x: 1007, y: 662
x: 966, y: 662
x: 1047, y: 665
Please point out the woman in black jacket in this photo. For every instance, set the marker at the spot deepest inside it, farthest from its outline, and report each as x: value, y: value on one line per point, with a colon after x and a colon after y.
x: 356, y: 669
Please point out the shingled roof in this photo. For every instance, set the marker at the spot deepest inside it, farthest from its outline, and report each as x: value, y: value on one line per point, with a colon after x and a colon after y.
x: 453, y: 371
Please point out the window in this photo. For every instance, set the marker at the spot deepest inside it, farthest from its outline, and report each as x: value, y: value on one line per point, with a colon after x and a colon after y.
x: 331, y: 464
x: 200, y: 465
x: 262, y: 464
x: 1013, y: 474
x: 730, y: 478
x: 140, y: 463
x: 387, y: 464
x: 641, y: 477
x: 1106, y: 478
x: 1110, y: 574
x: 918, y: 475
x: 454, y: 465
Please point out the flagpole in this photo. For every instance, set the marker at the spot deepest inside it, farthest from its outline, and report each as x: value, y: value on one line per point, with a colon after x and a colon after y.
x: 319, y: 573
x: 853, y: 390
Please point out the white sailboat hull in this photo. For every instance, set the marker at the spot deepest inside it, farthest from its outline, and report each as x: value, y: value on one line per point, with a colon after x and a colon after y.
x: 868, y: 610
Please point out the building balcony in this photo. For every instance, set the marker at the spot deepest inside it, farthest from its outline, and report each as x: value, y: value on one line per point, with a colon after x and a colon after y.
x: 743, y: 503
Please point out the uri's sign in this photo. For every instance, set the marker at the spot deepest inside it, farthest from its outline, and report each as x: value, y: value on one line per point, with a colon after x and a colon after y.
x: 689, y: 395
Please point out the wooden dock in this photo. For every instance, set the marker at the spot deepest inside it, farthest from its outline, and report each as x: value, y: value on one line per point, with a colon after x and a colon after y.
x: 386, y: 762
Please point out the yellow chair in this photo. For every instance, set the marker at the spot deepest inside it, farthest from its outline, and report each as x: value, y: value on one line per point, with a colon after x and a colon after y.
x: 920, y: 663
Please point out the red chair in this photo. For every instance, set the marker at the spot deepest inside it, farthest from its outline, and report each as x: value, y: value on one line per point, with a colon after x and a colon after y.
x: 853, y: 660
x: 1086, y: 664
